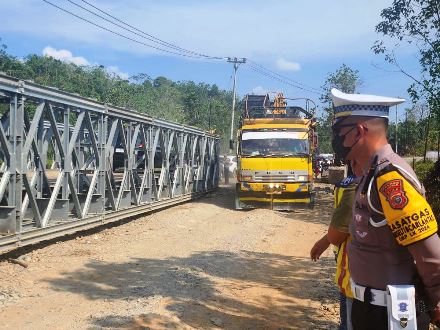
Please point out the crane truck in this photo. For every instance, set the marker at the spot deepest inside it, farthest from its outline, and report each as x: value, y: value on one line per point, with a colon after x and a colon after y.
x: 275, y: 150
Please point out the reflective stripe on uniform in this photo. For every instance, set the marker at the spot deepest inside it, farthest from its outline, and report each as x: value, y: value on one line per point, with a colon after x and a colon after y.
x: 342, y: 275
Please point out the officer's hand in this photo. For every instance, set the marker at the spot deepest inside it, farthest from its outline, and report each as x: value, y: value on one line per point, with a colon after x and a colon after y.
x: 435, y: 316
x: 319, y: 247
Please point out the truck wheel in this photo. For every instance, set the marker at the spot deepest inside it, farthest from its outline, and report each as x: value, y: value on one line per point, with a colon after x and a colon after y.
x: 237, y: 203
x: 237, y: 197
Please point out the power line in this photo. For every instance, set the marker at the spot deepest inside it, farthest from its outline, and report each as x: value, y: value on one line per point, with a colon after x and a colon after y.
x: 119, y: 34
x: 176, y: 50
x: 273, y: 75
x: 278, y: 79
x: 137, y: 31
x: 259, y: 66
x: 236, y: 62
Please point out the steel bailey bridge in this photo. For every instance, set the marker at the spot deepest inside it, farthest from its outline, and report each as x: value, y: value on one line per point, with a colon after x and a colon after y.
x: 58, y: 154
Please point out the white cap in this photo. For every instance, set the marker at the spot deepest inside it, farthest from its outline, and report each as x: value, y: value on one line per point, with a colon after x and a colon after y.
x: 362, y: 104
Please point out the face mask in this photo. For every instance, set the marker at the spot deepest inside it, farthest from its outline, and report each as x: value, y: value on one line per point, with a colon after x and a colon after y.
x: 340, y: 150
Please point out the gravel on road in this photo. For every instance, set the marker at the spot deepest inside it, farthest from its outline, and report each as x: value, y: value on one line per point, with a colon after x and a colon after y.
x: 199, y: 265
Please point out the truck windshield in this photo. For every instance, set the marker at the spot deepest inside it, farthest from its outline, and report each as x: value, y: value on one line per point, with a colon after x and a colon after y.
x: 274, y: 144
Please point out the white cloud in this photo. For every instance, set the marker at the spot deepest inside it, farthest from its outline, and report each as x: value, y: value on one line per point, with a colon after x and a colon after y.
x: 284, y: 65
x: 116, y: 71
x: 259, y: 90
x: 337, y: 29
x: 65, y: 56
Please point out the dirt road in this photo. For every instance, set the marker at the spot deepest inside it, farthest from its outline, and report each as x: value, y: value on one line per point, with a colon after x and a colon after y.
x: 199, y: 265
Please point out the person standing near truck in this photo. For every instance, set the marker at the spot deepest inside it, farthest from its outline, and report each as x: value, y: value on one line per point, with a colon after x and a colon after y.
x: 338, y: 236
x: 226, y: 165
x: 394, y: 245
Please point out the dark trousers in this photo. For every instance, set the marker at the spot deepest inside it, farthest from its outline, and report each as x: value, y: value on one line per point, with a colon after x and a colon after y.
x: 226, y: 174
x: 365, y: 316
x: 342, y: 312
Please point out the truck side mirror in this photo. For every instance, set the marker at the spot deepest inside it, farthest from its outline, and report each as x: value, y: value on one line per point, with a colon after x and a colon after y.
x: 231, y: 144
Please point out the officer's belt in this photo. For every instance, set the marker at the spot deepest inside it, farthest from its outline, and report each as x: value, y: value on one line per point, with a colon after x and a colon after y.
x: 369, y: 295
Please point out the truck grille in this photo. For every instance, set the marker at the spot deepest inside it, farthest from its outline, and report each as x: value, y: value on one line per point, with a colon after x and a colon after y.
x: 274, y: 178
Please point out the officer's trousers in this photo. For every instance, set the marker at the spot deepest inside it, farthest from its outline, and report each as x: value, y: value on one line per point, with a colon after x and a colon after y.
x: 365, y: 316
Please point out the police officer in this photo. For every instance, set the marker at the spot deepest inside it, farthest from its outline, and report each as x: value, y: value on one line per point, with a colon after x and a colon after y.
x: 393, y: 230
x: 338, y: 236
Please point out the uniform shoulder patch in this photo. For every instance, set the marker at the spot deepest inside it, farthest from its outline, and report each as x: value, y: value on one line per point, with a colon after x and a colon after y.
x: 407, y: 212
x: 394, y: 193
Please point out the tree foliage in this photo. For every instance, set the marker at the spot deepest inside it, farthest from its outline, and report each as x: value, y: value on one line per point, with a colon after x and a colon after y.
x: 346, y: 80
x: 413, y: 133
x: 415, y: 22
x: 202, y: 105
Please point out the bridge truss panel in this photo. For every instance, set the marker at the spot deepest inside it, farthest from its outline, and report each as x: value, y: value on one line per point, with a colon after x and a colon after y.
x: 70, y: 163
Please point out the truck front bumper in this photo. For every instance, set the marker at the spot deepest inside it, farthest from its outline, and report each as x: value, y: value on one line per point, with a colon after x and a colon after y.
x: 276, y: 196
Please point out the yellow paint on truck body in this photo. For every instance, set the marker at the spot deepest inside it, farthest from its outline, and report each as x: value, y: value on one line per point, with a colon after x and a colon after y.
x: 275, y: 164
x: 249, y: 191
x: 276, y: 200
x: 289, y: 187
x: 276, y: 122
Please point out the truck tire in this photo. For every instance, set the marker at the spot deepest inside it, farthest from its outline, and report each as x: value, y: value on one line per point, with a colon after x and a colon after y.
x: 237, y: 197
x: 237, y: 203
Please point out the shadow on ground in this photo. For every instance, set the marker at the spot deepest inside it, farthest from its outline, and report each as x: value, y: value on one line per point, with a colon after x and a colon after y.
x: 210, y: 289
x: 224, y: 197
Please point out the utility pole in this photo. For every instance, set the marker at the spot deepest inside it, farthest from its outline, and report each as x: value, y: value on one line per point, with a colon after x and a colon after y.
x: 209, y: 116
x: 236, y: 62
x: 426, y: 135
x: 406, y: 131
x: 396, y: 128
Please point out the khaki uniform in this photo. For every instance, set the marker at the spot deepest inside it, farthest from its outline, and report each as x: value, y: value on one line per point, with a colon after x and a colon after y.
x: 393, y: 230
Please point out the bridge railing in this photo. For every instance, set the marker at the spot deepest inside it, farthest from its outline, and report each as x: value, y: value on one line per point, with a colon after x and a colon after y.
x: 69, y: 163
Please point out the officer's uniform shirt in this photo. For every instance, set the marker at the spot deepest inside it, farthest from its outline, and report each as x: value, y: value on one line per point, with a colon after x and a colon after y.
x: 393, y: 230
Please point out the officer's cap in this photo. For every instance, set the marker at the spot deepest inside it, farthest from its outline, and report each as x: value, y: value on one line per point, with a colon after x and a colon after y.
x: 345, y: 105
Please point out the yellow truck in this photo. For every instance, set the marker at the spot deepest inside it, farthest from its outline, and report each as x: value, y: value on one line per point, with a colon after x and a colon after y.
x: 275, y: 153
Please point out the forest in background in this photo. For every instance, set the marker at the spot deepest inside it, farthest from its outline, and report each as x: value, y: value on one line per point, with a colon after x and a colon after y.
x: 207, y: 107
x: 418, y: 126
x: 186, y: 102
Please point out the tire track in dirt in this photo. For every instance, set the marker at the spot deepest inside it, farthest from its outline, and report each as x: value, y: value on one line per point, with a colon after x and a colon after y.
x: 198, y: 265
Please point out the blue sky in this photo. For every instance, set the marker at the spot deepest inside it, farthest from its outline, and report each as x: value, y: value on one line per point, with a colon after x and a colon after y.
x: 303, y: 40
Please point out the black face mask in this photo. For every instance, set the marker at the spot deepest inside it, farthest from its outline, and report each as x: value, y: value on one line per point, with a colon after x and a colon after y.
x: 338, y: 144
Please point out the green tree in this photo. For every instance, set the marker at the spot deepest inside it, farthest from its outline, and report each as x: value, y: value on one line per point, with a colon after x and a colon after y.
x: 346, y: 80
x: 410, y: 134
x: 196, y: 104
x: 415, y: 22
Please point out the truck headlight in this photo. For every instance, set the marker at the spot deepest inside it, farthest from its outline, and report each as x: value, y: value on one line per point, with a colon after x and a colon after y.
x: 274, y: 188
x: 246, y: 178
x: 302, y: 178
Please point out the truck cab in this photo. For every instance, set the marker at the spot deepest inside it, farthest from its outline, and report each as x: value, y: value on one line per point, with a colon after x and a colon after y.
x: 274, y: 151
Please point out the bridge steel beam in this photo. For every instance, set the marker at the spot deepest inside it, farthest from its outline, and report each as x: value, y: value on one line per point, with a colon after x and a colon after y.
x: 59, y: 167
